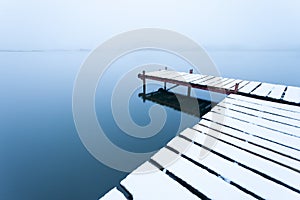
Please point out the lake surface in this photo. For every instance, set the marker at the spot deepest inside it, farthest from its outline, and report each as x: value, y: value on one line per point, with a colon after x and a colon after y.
x: 41, y: 155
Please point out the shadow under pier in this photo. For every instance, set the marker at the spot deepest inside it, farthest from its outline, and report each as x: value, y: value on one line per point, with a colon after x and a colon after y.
x: 183, y: 103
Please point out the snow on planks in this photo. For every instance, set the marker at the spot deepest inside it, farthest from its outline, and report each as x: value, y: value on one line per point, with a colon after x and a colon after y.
x: 155, y: 185
x: 114, y: 194
x: 230, y: 172
x: 280, y: 93
x: 292, y: 94
x: 208, y: 184
x: 256, y: 156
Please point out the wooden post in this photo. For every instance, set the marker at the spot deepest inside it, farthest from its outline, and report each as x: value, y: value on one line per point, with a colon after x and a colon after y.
x: 165, y: 83
x: 189, y: 88
x: 236, y: 88
x: 144, y: 83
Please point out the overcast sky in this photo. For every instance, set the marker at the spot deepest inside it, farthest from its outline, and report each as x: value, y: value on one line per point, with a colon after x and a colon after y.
x: 38, y: 24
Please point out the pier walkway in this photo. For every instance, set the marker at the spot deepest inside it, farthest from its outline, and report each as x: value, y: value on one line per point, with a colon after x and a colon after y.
x: 256, y: 153
x: 266, y: 91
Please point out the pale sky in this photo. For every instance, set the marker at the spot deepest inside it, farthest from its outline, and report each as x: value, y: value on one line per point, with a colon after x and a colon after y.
x: 44, y: 24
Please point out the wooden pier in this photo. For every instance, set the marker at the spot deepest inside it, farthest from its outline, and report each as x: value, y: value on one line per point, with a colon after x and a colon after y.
x: 265, y: 91
x: 257, y: 154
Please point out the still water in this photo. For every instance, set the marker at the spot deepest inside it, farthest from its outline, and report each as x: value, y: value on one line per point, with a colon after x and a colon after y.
x: 41, y: 155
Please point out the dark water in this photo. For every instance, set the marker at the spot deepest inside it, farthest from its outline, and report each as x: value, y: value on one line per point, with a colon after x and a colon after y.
x: 41, y: 155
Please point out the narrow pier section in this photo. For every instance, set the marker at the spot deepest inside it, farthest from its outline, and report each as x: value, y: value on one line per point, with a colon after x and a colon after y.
x: 265, y: 91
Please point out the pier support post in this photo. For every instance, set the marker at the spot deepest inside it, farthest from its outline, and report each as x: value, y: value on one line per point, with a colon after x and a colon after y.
x: 165, y: 83
x: 189, y: 88
x: 236, y: 88
x: 144, y: 86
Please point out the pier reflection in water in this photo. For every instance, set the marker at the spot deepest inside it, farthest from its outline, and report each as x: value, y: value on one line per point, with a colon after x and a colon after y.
x: 178, y: 102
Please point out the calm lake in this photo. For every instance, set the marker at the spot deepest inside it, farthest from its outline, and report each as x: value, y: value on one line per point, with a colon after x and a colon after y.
x: 41, y: 155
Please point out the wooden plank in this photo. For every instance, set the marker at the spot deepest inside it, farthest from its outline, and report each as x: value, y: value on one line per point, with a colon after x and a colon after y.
x: 292, y: 94
x: 277, y: 172
x: 249, y: 87
x: 263, y: 90
x: 156, y: 185
x: 258, y: 151
x: 189, y: 77
x: 183, y: 76
x: 282, y: 150
x: 221, y: 80
x: 232, y: 172
x: 199, y: 78
x: 210, y: 185
x: 202, y: 80
x: 277, y: 91
x: 209, y: 81
x: 241, y: 84
x: 285, y: 116
x: 291, y: 108
x: 158, y: 73
x: 257, y: 113
x: 254, y: 130
x: 113, y: 195
x: 232, y: 84
x: 270, y: 123
x: 224, y: 83
x: 171, y: 75
x: 214, y: 81
x: 294, y: 132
